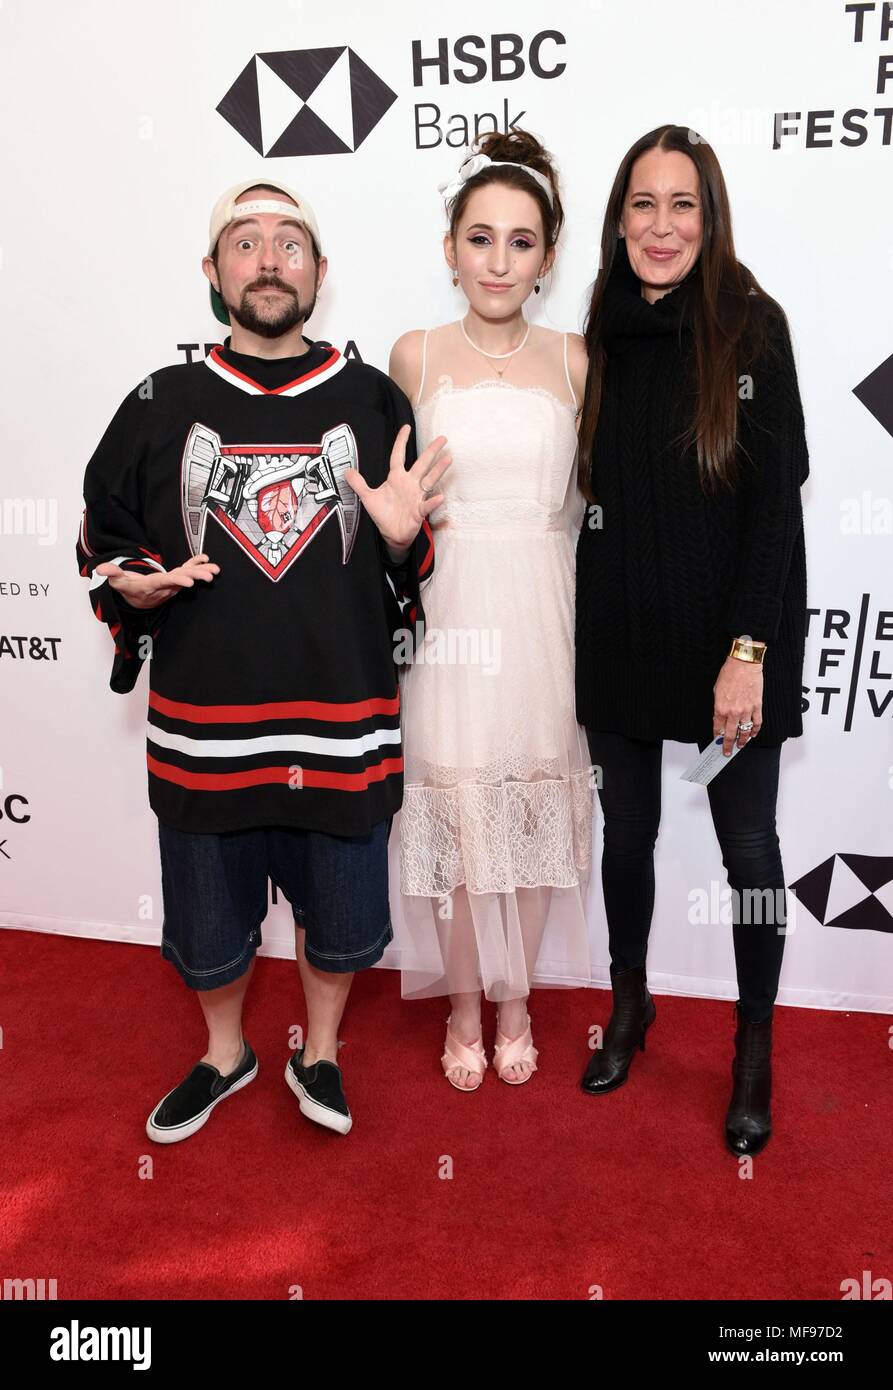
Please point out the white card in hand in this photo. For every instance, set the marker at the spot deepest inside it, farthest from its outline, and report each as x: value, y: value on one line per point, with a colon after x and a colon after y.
x: 711, y: 761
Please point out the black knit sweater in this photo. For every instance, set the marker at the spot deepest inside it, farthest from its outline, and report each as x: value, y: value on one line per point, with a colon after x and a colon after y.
x: 674, y: 574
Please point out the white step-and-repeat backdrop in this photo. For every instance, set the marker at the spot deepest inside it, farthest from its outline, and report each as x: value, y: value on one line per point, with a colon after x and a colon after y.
x: 123, y: 122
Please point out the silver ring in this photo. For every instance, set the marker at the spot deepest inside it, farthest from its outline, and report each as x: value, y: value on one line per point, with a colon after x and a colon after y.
x: 748, y: 725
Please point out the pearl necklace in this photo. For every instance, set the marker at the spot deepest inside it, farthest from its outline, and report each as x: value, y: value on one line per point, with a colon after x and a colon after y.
x: 496, y: 356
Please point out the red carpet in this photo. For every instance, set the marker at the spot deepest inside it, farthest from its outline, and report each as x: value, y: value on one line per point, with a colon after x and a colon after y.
x: 553, y: 1192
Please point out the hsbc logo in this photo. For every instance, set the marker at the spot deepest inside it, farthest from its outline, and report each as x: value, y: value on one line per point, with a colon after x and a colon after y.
x: 501, y: 57
x: 854, y: 891
x: 876, y: 394
x: 477, y: 58
x: 13, y: 808
x: 306, y: 101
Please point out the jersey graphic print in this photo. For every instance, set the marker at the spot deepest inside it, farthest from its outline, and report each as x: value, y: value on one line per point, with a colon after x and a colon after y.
x: 271, y: 498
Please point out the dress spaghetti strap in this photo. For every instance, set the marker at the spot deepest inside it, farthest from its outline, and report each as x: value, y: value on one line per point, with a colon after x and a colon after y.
x: 567, y: 375
x: 418, y: 399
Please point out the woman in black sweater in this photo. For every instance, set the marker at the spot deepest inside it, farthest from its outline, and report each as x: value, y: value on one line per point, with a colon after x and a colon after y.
x: 691, y: 577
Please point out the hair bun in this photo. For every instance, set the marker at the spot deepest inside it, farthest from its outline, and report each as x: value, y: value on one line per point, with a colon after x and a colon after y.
x: 519, y: 147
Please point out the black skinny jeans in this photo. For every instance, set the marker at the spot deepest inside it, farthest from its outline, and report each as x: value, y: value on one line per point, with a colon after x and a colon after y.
x: 742, y: 803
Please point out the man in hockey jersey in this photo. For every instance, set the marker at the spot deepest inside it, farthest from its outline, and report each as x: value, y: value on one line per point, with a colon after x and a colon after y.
x: 256, y: 523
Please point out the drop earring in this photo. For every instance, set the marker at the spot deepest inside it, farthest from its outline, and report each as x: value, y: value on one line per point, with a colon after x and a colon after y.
x: 455, y: 275
x: 536, y: 288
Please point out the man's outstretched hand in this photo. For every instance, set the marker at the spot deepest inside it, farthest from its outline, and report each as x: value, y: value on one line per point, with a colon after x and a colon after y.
x: 151, y: 590
x: 399, y: 506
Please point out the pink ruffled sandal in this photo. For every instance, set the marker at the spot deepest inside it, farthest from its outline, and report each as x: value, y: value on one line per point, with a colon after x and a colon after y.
x: 511, y: 1051
x: 457, y: 1054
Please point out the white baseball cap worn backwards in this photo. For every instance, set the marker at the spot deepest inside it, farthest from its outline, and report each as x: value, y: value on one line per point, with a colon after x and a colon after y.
x: 228, y: 208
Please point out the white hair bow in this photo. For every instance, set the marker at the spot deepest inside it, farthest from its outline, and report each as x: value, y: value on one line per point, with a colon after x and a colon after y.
x: 475, y: 161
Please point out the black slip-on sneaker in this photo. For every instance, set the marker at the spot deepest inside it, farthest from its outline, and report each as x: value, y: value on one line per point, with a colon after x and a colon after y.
x: 187, y: 1107
x: 319, y: 1092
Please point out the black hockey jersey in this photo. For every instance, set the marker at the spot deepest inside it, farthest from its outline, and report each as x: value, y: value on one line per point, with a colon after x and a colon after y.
x: 274, y: 696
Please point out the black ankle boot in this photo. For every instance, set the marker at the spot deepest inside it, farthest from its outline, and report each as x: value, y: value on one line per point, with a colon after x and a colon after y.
x: 632, y: 1015
x: 748, y: 1122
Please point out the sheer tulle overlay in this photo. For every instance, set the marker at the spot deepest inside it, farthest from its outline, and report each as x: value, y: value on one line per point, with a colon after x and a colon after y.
x: 496, y: 824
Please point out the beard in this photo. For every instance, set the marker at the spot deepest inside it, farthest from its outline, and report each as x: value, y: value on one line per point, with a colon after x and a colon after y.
x: 271, y: 321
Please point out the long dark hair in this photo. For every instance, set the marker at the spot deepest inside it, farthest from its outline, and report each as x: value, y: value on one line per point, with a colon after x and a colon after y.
x: 729, y: 318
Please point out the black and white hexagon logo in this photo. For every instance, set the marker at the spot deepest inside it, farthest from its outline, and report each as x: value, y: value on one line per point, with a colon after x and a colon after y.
x: 306, y: 101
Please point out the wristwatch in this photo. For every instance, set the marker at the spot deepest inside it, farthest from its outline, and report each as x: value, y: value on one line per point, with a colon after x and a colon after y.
x: 746, y: 649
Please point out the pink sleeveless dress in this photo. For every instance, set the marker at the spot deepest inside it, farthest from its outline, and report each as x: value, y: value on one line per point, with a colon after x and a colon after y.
x: 496, y: 826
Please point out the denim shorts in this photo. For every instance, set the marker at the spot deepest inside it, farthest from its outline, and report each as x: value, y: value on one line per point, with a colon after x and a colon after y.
x: 214, y: 888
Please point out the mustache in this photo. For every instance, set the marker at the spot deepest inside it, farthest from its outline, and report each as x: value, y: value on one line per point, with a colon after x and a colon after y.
x: 270, y: 282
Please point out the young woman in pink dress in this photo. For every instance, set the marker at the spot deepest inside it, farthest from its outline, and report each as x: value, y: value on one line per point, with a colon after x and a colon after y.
x: 496, y: 825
